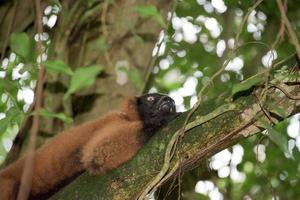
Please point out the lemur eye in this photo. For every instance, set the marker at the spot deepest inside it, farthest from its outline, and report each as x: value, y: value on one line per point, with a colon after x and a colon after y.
x: 150, y: 98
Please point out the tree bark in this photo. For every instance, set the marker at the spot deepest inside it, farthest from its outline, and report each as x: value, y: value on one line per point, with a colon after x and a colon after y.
x: 199, y: 143
x: 122, y: 32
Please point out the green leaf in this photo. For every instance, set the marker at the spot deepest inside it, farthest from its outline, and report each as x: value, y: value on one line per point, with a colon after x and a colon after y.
x: 4, y: 124
x: 272, y: 107
x: 8, y: 86
x: 278, y: 138
x: 90, y: 3
x: 149, y: 11
x: 58, y: 66
x: 11, y: 88
x: 21, y: 44
x: 62, y: 116
x: 2, y: 152
x: 83, y: 77
x: 3, y: 106
x: 192, y: 195
x: 57, y: 2
x: 13, y: 115
x: 248, y: 83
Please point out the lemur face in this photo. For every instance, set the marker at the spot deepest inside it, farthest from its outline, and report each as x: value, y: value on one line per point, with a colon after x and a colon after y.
x: 155, y: 110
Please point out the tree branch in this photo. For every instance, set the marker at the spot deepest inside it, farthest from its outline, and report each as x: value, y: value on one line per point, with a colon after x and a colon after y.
x: 289, y: 27
x: 199, y: 143
x: 26, y: 180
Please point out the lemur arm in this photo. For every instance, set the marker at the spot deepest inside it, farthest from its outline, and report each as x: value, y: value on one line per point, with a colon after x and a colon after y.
x: 114, y: 147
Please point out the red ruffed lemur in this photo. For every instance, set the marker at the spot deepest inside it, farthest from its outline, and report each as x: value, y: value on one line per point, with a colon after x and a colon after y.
x: 96, y: 146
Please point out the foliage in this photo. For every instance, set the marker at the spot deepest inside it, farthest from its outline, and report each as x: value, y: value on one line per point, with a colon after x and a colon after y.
x: 202, y: 37
x: 58, y: 66
x: 248, y: 83
x: 22, y: 45
x: 149, y: 11
x: 82, y: 78
x: 191, y: 57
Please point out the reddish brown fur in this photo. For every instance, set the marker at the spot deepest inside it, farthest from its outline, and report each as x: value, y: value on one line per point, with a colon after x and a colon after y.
x: 96, y: 146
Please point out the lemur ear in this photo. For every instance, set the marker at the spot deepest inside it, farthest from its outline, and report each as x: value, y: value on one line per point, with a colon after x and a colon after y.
x: 132, y: 103
x: 129, y: 103
x: 129, y: 106
x: 137, y: 98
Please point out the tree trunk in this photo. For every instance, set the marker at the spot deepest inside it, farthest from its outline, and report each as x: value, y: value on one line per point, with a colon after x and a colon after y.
x: 122, y: 33
x: 125, y: 36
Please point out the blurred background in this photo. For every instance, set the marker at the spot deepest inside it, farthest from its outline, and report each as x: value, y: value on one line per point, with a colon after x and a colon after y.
x: 97, y: 52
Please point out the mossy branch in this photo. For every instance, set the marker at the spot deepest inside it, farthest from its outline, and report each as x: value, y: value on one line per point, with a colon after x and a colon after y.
x: 201, y: 141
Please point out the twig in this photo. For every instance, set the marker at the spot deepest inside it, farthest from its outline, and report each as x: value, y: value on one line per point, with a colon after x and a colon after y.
x: 179, y: 183
x: 280, y: 34
x: 267, y: 114
x: 285, y: 92
x: 172, y: 171
x: 288, y: 25
x: 245, y: 19
x: 103, y: 18
x: 258, y: 164
x: 26, y: 180
x: 172, y: 146
x: 104, y: 30
x: 4, y: 13
x: 283, y: 60
x: 82, y: 48
x: 268, y: 72
x: 153, y: 59
x: 200, y: 94
x: 171, y: 187
x: 9, y: 28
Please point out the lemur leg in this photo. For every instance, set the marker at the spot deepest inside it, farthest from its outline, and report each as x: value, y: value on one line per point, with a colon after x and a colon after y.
x: 8, y: 189
x: 108, y: 151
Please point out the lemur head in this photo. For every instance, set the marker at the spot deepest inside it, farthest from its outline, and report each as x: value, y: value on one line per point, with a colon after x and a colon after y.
x: 155, y: 110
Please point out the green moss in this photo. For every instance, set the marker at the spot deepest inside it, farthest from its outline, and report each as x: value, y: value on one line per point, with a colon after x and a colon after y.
x: 198, y: 143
